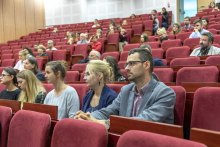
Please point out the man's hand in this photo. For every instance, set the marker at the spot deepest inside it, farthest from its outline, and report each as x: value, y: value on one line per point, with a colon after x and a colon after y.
x: 196, y: 30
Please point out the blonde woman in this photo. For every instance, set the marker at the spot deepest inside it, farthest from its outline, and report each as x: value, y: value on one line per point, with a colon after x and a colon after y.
x: 32, y: 90
x: 72, y: 38
x: 20, y: 64
x: 162, y: 34
x: 100, y: 96
x: 63, y: 96
x: 99, y: 33
x: 176, y: 29
x: 41, y: 52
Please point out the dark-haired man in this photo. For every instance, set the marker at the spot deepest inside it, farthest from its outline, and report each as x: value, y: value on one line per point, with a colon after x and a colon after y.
x: 198, y: 29
x: 187, y: 23
x: 145, y: 98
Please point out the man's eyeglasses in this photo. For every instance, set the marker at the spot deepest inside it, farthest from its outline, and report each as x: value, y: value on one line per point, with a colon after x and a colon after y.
x: 132, y: 63
x: 3, y: 75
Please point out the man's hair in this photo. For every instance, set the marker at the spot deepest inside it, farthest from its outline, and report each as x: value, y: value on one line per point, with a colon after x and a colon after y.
x: 96, y: 19
x: 97, y: 54
x: 144, y: 46
x: 206, y: 20
x: 155, y: 11
x: 144, y: 55
x: 50, y: 41
x: 197, y: 20
x: 210, y: 36
x: 187, y: 17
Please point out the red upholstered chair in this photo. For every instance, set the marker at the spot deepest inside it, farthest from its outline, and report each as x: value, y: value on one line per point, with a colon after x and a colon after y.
x: 197, y: 74
x: 217, y: 39
x: 183, y: 36
x: 215, y: 19
x: 164, y: 61
x: 138, y: 28
x: 113, y: 39
x: 213, y: 60
x: 157, y: 53
x: 135, y: 138
x: 215, y: 26
x: 116, y: 87
x: 6, y: 52
x: 121, y: 64
x: 16, y: 56
x: 153, y: 44
x: 182, y: 51
x: 16, y: 51
x: 205, y: 112
x: 81, y: 49
x: 79, y: 66
x: 28, y: 128
x: 208, y: 17
x: 95, y: 136
x: 50, y: 54
x: 151, y: 38
x: 40, y: 61
x: 61, y: 43
x: 193, y: 19
x: 8, y: 63
x: 129, y: 47
x: 102, y: 40
x: 72, y: 76
x: 164, y: 74
x: 5, y: 118
x: 185, y: 61
x: 170, y: 43
x: 7, y: 56
x: 48, y: 87
x: 5, y: 47
x: 34, y: 42
x: 191, y: 42
x: 148, y: 25
x: 207, y: 10
x: 200, y: 14
x: 59, y: 55
x: 171, y: 36
x: 113, y: 54
x: 124, y: 56
x: 213, y: 31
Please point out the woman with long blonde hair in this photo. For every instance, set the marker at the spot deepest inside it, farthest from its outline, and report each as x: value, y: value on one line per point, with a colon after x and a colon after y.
x: 32, y: 90
x: 176, y: 29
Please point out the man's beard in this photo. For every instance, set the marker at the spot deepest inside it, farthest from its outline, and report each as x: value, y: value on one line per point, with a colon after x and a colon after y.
x: 202, y: 46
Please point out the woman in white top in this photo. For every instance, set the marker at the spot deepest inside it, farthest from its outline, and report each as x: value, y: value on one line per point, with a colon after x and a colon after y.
x: 20, y: 64
x: 96, y: 23
x: 63, y: 96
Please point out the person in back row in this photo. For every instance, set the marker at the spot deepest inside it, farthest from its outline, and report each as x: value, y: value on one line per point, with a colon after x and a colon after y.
x: 165, y: 17
x: 187, y: 23
x: 82, y: 39
x: 50, y: 44
x: 157, y: 62
x: 122, y: 39
x: 155, y: 23
x: 96, y: 23
x: 96, y: 45
x: 55, y: 30
x: 9, y: 79
x: 145, y: 98
x: 176, y: 29
x: 32, y: 89
x: 29, y: 51
x: 144, y: 38
x: 93, y: 55
x: 20, y: 64
x: 100, y: 96
x: 198, y: 29
x: 205, y: 23
x: 41, y: 52
x: 206, y: 48
x: 32, y: 65
x: 63, y: 96
x: 162, y: 34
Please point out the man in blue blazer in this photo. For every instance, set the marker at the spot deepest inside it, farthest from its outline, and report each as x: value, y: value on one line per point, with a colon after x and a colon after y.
x: 145, y: 99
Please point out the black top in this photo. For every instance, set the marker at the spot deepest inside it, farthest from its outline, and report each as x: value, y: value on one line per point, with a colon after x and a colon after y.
x: 203, y: 52
x: 40, y: 97
x: 86, y: 60
x: 165, y: 38
x: 122, y: 39
x: 44, y: 55
x: 165, y: 17
x: 40, y: 76
x: 10, y: 95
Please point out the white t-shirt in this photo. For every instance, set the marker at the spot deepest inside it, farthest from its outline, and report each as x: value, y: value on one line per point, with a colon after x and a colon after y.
x: 19, y: 65
x: 53, y: 49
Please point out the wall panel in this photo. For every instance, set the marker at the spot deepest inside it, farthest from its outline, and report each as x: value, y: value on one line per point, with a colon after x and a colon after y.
x: 20, y: 21
x: 38, y: 12
x: 1, y: 23
x: 30, y: 16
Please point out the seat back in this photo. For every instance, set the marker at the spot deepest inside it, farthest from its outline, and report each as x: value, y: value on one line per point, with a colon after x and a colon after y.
x: 81, y: 49
x: 129, y: 47
x: 191, y: 42
x: 185, y: 61
x: 170, y: 43
x: 79, y: 66
x: 124, y: 56
x: 182, y: 51
x: 153, y: 44
x: 40, y: 63
x: 116, y: 87
x: 59, y: 55
x: 8, y: 63
x: 183, y: 36
x: 28, y: 128
x: 164, y: 74
x: 48, y: 87
x: 113, y: 39
x: 213, y: 60
x: 113, y: 54
x: 6, y: 56
x: 72, y: 76
x: 95, y: 136
x: 157, y: 53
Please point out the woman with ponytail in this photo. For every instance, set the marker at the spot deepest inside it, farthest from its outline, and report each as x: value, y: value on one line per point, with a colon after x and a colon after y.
x: 63, y: 96
x: 100, y: 96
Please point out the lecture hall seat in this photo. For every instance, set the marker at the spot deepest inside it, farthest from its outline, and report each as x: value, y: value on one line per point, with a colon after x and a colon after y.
x: 185, y: 61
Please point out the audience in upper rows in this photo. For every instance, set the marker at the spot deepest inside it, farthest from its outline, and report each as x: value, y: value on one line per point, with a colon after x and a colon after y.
x: 212, y: 5
x: 96, y: 24
x: 198, y: 29
x: 206, y: 48
x: 144, y: 38
x: 29, y: 51
x: 63, y: 96
x: 155, y: 23
x: 50, y: 45
x: 133, y: 16
x: 82, y: 39
x: 72, y: 38
x: 9, y: 79
x: 22, y: 56
x: 176, y: 29
x: 118, y: 75
x: 187, y: 23
x: 55, y: 30
x: 165, y: 17
x: 205, y: 23
x: 100, y: 96
x: 32, y: 90
x: 41, y: 52
x: 162, y: 34
x: 122, y: 39
x: 93, y: 55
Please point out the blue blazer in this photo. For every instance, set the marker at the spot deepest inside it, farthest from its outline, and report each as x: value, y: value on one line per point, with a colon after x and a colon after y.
x: 107, y: 97
x: 158, y: 62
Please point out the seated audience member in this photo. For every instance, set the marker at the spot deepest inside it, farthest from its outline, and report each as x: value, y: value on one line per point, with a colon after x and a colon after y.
x: 99, y: 33
x: 67, y: 35
x: 118, y: 75
x: 9, y: 79
x: 32, y: 65
x: 36, y: 47
x: 145, y: 98
x: 157, y: 62
x: 82, y: 39
x: 63, y: 96
x: 217, y: 8
x: 206, y: 48
x: 187, y: 23
x: 41, y: 52
x: 111, y: 31
x: 93, y: 55
x: 111, y: 27
x: 144, y: 38
x: 119, y: 29
x: 28, y: 51
x: 122, y: 39
x: 198, y: 29
x: 55, y: 30
x: 155, y: 23
x: 205, y: 23
x: 77, y: 34
x: 176, y: 29
x: 165, y: 17
x: 96, y: 45
x: 100, y: 96
x: 87, y: 35
x: 154, y: 12
x: 133, y: 16
x: 212, y: 5
x: 32, y: 90
x: 124, y: 23
x: 113, y: 23
x: 162, y: 34
x: 20, y: 64
x: 96, y: 23
x: 50, y: 45
x: 72, y: 38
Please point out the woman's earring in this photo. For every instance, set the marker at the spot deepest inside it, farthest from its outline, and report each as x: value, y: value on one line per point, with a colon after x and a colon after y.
x: 99, y: 83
